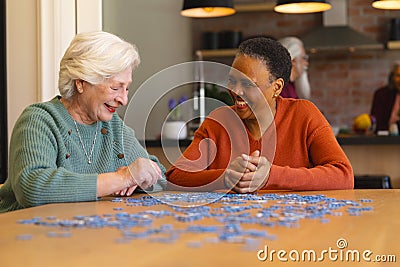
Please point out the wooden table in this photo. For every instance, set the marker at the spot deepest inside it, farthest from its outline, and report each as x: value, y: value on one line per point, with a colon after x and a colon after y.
x: 377, y: 231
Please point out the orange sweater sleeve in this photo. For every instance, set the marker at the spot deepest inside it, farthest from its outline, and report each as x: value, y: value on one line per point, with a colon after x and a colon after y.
x: 192, y: 170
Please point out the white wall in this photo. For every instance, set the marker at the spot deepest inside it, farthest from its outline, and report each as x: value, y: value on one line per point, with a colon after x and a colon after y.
x: 155, y: 26
x: 38, y: 32
x: 163, y: 38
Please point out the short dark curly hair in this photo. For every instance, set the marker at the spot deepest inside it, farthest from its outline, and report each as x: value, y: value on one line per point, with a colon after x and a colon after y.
x: 275, y: 56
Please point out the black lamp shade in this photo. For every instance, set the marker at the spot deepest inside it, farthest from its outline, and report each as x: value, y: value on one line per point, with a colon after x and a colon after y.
x: 301, y: 6
x: 207, y: 8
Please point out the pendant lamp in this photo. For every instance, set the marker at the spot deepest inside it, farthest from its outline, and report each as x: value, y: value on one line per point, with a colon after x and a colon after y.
x: 386, y: 4
x: 207, y: 8
x: 301, y: 6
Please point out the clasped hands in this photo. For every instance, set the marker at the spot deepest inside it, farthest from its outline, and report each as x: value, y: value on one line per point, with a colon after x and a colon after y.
x: 142, y: 172
x: 247, y: 173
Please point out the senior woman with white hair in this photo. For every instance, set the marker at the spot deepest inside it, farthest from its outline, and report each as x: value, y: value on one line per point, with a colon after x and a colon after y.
x: 298, y: 86
x: 75, y: 147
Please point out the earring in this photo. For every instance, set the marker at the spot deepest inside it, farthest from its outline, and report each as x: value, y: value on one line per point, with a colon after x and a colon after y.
x: 275, y: 95
x: 79, y: 85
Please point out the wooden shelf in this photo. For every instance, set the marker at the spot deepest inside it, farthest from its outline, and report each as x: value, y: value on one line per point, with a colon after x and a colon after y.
x: 253, y: 7
x: 212, y: 53
x: 393, y: 45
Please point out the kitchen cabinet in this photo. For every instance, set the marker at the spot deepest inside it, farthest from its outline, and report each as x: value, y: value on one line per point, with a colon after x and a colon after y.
x: 374, y: 155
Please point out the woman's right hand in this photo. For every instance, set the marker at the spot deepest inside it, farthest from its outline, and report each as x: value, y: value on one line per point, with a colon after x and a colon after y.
x: 143, y: 173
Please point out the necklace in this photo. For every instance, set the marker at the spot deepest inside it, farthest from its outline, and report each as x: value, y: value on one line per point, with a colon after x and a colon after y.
x: 88, y: 157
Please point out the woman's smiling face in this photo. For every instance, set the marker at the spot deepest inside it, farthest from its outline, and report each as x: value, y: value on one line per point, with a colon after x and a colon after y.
x: 252, y: 88
x: 98, y: 102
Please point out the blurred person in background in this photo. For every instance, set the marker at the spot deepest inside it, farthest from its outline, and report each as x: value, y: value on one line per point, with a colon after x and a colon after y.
x: 298, y: 85
x: 386, y: 101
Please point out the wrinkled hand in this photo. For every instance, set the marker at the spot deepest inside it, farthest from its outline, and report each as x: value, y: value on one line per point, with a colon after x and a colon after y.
x: 142, y: 172
x: 247, y: 173
x: 127, y: 191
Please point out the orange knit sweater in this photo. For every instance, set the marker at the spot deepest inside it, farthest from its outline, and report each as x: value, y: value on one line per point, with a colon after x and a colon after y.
x: 303, y: 150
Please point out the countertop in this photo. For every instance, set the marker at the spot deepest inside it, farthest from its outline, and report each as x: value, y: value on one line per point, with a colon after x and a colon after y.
x: 343, y: 139
x: 167, y: 143
x: 348, y: 139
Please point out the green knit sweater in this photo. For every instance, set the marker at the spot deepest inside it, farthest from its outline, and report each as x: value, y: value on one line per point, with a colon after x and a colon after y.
x: 47, y: 163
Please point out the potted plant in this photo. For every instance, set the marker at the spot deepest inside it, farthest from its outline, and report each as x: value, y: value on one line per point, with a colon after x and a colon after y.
x: 174, y: 126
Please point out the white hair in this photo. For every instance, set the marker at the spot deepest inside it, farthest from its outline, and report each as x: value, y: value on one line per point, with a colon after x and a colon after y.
x: 94, y: 57
x: 302, y: 85
x: 295, y: 47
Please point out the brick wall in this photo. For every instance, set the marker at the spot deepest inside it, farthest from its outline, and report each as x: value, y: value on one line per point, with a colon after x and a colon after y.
x: 342, y: 82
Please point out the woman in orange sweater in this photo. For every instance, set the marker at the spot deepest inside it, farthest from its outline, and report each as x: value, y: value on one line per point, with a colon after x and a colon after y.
x: 264, y: 141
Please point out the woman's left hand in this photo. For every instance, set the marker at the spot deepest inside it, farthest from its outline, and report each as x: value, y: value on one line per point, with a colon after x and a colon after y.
x: 126, y: 191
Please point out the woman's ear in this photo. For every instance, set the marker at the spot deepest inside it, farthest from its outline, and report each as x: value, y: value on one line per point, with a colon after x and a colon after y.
x: 79, y: 85
x: 278, y: 86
